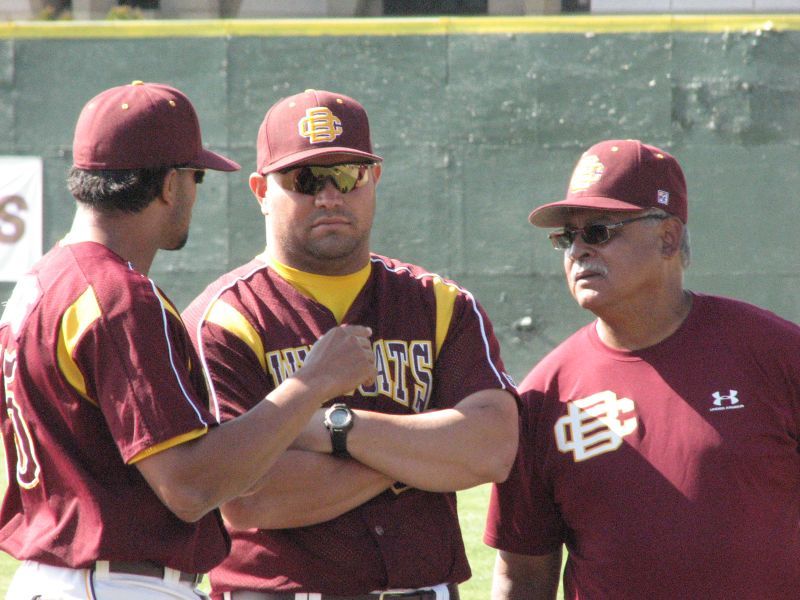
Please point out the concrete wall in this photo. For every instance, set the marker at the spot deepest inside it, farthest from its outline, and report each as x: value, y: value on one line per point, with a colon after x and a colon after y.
x: 478, y: 120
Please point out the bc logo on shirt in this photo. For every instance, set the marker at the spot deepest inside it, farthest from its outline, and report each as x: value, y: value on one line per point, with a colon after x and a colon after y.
x: 595, y: 425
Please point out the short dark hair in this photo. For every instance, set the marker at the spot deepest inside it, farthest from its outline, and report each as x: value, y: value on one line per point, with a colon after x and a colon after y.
x: 128, y: 190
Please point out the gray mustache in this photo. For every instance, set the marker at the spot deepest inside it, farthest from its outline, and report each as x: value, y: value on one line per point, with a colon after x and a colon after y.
x: 586, y: 265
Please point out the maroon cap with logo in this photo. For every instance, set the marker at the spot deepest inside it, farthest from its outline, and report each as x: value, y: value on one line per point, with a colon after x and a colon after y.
x: 620, y: 175
x: 142, y: 126
x: 312, y: 125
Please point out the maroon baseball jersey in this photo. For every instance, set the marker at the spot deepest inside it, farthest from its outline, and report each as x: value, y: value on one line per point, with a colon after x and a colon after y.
x: 671, y: 472
x: 433, y: 346
x: 98, y: 372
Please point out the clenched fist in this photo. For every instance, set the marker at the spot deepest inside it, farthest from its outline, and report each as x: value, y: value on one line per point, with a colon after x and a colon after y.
x: 340, y: 361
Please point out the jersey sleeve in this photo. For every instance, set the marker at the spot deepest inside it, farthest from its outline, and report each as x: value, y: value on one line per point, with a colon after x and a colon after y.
x: 523, y: 517
x: 129, y: 351
x: 232, y: 353
x: 469, y: 359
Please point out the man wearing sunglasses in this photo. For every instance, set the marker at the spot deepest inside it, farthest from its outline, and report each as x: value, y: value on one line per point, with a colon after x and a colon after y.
x: 660, y: 442
x: 362, y: 506
x: 117, y: 464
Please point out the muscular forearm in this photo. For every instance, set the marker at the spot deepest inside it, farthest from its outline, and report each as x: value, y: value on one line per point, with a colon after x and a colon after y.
x: 305, y: 488
x: 445, y: 450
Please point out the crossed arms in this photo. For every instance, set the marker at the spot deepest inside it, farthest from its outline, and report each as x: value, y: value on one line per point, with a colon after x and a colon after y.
x: 445, y: 450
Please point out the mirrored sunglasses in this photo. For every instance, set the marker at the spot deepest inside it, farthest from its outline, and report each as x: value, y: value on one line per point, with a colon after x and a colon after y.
x: 594, y: 234
x: 199, y: 174
x: 310, y: 179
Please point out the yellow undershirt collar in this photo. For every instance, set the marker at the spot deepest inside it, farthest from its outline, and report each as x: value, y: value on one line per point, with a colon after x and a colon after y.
x: 334, y: 292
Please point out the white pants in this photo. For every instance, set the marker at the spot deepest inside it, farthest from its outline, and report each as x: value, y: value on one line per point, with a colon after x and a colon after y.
x: 442, y: 593
x: 36, y: 581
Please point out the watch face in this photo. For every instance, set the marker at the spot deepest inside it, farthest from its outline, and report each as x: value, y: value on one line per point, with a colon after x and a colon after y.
x: 339, y: 417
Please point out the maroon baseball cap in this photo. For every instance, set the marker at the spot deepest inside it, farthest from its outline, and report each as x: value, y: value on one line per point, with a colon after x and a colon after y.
x: 620, y: 175
x: 311, y: 125
x: 142, y: 126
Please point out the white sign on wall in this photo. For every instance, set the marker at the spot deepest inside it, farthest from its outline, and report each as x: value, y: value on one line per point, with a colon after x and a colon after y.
x: 20, y: 215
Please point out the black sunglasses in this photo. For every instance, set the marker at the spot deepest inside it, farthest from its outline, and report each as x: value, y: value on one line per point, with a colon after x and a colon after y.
x: 310, y: 179
x: 595, y: 234
x: 199, y: 174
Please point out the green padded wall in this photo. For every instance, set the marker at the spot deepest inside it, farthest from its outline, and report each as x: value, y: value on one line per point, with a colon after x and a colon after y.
x: 478, y: 119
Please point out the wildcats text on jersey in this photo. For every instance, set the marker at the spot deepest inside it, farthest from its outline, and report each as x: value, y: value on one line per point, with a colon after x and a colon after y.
x: 405, y: 370
x: 257, y: 323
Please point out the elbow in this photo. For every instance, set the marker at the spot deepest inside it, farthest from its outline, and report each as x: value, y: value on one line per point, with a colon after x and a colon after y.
x: 502, y: 469
x: 238, y: 517
x: 188, y: 505
x: 502, y: 460
x: 504, y: 453
x: 190, y: 516
x: 501, y: 438
x: 494, y: 465
x: 187, y: 489
x: 249, y: 512
x: 191, y: 513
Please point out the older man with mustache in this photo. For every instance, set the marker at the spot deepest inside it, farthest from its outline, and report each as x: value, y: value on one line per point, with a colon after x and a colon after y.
x: 659, y: 444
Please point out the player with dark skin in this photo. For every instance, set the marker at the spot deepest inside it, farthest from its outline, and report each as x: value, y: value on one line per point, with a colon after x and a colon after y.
x: 659, y: 444
x: 119, y: 466
x: 333, y: 517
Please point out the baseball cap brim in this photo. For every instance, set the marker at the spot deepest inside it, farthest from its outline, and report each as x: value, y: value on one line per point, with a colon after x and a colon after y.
x: 331, y: 153
x: 211, y: 160
x: 555, y: 214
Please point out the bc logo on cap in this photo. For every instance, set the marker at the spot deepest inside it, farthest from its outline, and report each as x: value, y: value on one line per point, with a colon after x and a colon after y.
x: 587, y: 172
x: 320, y: 125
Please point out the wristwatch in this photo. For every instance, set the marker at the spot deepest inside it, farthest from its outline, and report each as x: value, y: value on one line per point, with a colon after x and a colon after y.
x: 338, y: 421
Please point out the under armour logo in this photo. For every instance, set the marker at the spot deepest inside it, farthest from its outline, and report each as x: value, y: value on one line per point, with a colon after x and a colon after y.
x: 595, y: 425
x: 320, y: 125
x: 726, y: 401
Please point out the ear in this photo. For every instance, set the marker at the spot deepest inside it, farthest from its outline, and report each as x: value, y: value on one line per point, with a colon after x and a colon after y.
x: 671, y: 236
x: 258, y: 185
x: 169, y: 187
x: 376, y: 172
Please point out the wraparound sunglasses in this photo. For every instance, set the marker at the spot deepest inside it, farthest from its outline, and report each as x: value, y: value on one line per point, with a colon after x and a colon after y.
x: 310, y: 179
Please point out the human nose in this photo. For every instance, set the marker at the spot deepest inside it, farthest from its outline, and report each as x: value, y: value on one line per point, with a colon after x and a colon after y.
x: 578, y: 248
x: 329, y: 195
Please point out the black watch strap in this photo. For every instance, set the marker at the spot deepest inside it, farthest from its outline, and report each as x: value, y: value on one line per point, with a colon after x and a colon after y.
x: 339, y: 442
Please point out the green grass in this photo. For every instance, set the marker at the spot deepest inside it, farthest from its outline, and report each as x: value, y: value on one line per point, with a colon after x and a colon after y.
x: 7, y: 567
x: 472, y: 505
x: 7, y: 564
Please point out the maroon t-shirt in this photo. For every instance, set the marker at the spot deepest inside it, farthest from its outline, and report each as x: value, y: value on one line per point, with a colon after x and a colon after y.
x: 254, y: 329
x: 97, y: 368
x: 671, y: 472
